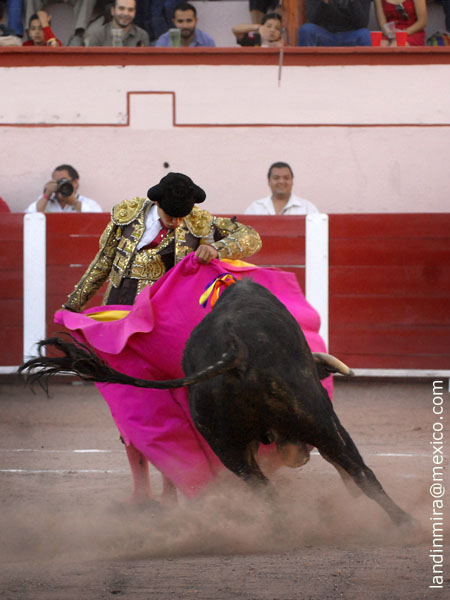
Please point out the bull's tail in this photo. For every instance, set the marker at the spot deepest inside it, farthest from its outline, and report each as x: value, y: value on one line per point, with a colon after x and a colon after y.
x: 79, y: 360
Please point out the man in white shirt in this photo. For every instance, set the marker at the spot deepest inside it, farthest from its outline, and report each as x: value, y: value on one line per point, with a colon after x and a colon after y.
x: 61, y: 194
x: 282, y: 201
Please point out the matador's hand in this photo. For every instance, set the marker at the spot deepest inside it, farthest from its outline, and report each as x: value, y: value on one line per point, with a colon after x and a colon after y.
x: 206, y: 254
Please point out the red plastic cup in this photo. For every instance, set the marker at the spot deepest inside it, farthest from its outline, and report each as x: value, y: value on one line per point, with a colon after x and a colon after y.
x: 401, y: 38
x: 375, y: 37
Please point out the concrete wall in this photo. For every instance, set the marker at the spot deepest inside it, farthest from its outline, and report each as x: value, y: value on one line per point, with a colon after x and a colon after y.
x: 360, y: 138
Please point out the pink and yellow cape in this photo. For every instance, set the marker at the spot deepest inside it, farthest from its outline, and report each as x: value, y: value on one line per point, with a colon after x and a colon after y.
x: 146, y: 340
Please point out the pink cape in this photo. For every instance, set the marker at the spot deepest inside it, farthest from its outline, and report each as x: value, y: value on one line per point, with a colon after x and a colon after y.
x: 149, y: 342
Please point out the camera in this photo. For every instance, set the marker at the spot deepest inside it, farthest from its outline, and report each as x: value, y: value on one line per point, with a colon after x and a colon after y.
x: 65, y: 187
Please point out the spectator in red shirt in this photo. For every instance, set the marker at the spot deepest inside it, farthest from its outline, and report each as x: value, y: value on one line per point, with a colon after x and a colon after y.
x: 40, y: 32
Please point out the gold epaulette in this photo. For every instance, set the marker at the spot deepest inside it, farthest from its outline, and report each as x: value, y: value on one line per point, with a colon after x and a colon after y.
x: 127, y: 211
x: 199, y: 222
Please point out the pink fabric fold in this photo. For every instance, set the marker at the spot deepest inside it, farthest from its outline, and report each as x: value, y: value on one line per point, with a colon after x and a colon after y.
x: 149, y: 342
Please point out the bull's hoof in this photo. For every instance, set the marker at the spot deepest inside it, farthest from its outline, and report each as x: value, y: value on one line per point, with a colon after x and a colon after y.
x: 406, y: 522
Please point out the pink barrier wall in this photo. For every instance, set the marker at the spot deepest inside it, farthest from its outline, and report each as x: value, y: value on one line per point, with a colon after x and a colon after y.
x: 365, y: 130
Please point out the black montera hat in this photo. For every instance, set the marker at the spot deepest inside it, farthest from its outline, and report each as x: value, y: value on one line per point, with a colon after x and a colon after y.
x: 176, y: 194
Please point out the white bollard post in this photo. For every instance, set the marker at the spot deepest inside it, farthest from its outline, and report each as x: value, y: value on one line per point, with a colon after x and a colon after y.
x: 34, y: 282
x: 317, y: 265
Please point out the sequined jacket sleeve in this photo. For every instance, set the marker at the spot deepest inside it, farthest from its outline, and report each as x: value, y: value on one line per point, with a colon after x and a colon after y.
x: 235, y: 240
x: 97, y: 272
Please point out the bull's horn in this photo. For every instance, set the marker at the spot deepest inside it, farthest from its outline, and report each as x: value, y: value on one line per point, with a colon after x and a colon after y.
x: 334, y: 364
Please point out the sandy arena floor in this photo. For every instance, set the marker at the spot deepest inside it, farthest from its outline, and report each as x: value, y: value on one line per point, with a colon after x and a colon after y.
x: 66, y: 533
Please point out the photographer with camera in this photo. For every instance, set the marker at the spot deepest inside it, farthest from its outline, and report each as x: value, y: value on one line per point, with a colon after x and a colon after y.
x: 61, y: 194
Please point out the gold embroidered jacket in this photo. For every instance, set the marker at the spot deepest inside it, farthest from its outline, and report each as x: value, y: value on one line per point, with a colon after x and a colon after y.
x: 119, y: 260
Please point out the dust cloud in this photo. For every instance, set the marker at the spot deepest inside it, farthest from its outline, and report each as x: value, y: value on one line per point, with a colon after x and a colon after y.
x: 228, y: 519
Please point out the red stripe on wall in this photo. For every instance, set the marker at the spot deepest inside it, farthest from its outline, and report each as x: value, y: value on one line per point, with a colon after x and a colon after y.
x: 293, y: 56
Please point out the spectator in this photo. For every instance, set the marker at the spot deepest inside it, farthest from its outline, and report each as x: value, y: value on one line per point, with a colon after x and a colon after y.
x: 4, y: 208
x: 8, y: 37
x: 266, y: 35
x: 121, y: 30
x: 40, y: 32
x: 155, y: 16
x: 97, y: 12
x: 409, y: 16
x: 185, y: 19
x: 258, y: 8
x: 82, y: 12
x: 282, y: 201
x: 335, y: 23
x: 61, y: 194
x: 101, y: 17
x: 15, y: 8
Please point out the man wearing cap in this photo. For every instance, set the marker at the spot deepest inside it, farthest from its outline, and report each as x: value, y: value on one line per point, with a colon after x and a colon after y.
x: 148, y: 236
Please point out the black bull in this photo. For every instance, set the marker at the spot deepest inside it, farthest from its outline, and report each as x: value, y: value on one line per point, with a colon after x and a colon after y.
x: 252, y: 379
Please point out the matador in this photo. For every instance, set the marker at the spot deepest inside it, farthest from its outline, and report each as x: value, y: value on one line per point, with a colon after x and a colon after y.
x: 148, y: 236
x: 145, y: 238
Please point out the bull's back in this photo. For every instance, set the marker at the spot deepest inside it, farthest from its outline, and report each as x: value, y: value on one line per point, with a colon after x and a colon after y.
x: 276, y: 346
